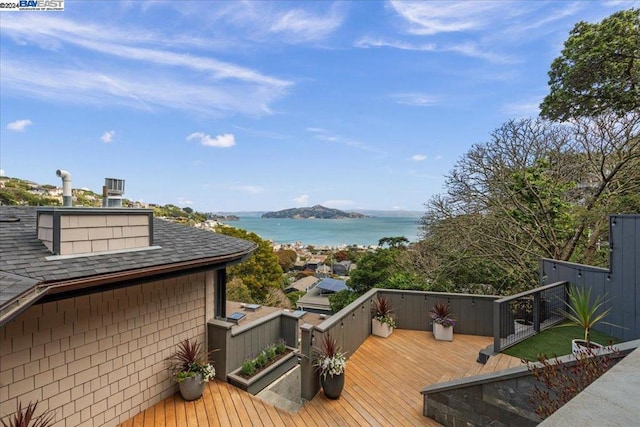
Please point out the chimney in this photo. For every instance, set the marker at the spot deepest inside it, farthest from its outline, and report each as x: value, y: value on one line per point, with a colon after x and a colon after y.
x: 82, y: 231
x: 66, y: 187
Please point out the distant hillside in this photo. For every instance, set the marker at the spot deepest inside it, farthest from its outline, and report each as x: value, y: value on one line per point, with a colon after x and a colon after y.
x: 317, y: 212
x: 20, y: 192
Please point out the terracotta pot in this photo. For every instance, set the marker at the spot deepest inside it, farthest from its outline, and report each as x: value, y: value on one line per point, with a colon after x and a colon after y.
x: 332, y: 385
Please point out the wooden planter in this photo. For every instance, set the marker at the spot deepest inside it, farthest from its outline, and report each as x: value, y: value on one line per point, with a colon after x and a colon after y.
x: 258, y: 382
x: 442, y: 333
x: 380, y: 329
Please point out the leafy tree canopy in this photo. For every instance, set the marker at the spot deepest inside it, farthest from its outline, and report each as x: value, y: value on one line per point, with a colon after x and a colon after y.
x: 286, y: 258
x: 261, y: 272
x: 598, y: 71
x: 535, y: 189
x: 394, y: 242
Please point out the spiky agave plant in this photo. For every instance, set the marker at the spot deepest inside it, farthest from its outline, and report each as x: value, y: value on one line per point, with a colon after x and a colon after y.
x: 584, y: 314
x: 189, y: 360
x: 440, y: 314
x: 382, y: 310
x: 330, y: 359
x: 26, y: 417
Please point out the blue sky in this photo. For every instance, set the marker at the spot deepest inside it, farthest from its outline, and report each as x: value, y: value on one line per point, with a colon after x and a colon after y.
x: 231, y: 106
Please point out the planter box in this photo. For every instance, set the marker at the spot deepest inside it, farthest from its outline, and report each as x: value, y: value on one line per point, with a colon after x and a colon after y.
x: 380, y: 329
x: 442, y: 333
x: 258, y: 382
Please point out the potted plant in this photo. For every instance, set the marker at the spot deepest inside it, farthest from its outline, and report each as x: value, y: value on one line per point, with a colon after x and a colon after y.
x: 443, y: 322
x: 331, y: 363
x: 190, y: 369
x: 27, y: 417
x: 586, y: 315
x: 383, y: 322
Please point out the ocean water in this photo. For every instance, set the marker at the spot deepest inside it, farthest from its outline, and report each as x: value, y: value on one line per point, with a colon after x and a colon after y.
x: 331, y: 232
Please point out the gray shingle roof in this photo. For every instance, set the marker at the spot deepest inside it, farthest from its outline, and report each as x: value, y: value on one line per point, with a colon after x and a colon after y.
x: 23, y: 260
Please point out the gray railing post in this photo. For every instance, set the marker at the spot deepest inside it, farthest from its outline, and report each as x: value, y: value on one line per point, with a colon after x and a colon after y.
x: 536, y: 312
x: 497, y: 306
x: 309, y: 382
x: 219, y: 338
x: 289, y: 330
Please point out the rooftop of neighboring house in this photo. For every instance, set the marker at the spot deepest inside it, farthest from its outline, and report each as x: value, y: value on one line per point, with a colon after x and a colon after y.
x: 265, y: 310
x: 303, y: 284
x: 28, y: 268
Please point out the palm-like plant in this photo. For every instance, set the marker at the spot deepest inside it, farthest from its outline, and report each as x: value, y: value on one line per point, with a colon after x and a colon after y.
x: 582, y: 313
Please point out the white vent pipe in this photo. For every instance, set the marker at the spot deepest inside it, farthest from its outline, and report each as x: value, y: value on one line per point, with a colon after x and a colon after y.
x: 66, y: 187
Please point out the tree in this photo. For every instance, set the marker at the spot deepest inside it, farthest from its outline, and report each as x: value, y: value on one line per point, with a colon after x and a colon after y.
x: 535, y: 189
x: 394, y: 242
x: 261, y: 271
x: 286, y: 258
x: 598, y: 71
x: 238, y: 291
x: 373, y: 271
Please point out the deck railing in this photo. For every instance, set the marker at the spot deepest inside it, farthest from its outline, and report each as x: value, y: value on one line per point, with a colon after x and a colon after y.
x: 352, y: 325
x: 233, y: 345
x: 520, y: 316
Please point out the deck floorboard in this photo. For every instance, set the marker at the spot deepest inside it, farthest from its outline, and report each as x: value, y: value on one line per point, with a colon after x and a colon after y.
x: 382, y: 387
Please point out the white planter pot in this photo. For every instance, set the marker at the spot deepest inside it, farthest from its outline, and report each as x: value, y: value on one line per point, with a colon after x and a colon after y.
x: 380, y: 329
x: 521, y: 326
x: 442, y: 333
x: 580, y: 347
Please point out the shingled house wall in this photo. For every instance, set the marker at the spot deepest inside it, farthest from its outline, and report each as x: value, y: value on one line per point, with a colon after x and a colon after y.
x: 99, y: 359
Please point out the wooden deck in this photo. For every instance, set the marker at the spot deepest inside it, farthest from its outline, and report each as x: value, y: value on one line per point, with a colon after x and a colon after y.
x: 382, y: 387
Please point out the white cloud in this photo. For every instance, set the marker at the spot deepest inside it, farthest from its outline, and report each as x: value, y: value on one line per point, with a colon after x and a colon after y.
x: 415, y: 99
x: 418, y: 157
x: 19, y: 125
x: 474, y: 50
x: 338, y: 204
x: 188, y: 81
x: 302, y: 25
x: 367, y: 42
x: 221, y: 141
x: 529, y: 108
x: 325, y: 135
x: 438, y: 157
x: 428, y: 18
x: 470, y: 49
x: 2, y: 172
x: 301, y: 200
x: 107, y: 137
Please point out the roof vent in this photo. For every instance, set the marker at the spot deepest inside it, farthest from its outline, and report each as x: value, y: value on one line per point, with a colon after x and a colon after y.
x: 112, y: 192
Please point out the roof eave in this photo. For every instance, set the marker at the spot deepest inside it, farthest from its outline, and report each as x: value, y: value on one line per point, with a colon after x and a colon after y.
x: 12, y: 308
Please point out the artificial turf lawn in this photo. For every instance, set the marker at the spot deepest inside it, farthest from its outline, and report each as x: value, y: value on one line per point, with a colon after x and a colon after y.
x: 554, y: 341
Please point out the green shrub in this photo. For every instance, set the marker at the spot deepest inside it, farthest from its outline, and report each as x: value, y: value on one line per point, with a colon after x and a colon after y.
x: 270, y: 352
x: 248, y: 368
x: 261, y: 360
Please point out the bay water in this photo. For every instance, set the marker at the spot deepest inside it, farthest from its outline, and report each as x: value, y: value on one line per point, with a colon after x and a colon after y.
x: 331, y: 232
